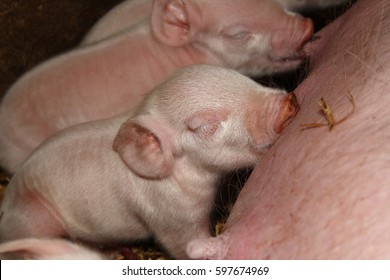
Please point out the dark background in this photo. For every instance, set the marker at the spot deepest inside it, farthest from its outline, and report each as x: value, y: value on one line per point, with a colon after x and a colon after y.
x: 34, y: 30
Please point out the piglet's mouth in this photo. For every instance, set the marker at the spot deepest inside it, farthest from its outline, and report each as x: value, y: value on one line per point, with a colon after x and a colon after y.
x: 289, y: 107
x: 310, y: 46
x: 299, y: 57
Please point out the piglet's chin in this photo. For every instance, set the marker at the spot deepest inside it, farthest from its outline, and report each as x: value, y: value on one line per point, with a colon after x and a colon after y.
x: 288, y: 109
x: 270, y: 64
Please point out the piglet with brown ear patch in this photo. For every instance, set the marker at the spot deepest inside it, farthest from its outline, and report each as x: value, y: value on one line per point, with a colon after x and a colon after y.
x: 151, y: 172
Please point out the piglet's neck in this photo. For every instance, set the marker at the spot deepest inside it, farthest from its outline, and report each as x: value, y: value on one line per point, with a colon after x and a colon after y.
x: 192, y: 175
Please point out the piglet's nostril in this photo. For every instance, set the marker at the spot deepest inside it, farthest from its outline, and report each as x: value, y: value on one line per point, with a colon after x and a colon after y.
x: 288, y: 109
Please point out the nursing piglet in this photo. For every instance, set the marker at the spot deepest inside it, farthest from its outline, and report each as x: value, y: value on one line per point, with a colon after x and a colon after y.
x: 46, y: 249
x: 110, y: 77
x: 153, y: 173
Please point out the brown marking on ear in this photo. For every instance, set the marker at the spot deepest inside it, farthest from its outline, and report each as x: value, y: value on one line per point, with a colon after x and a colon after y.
x: 141, y: 150
x: 134, y: 133
x: 145, y: 138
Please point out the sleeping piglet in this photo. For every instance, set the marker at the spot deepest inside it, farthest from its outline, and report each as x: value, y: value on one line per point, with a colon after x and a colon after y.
x: 112, y: 76
x: 46, y: 249
x: 150, y: 172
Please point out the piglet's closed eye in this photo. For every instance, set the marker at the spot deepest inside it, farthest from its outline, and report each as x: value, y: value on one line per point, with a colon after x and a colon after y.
x: 206, y: 122
x: 145, y: 149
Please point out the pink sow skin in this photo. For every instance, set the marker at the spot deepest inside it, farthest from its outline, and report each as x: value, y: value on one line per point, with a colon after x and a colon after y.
x: 320, y: 194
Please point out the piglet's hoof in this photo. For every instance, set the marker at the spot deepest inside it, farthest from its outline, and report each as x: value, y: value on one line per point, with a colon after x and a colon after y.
x: 212, y: 248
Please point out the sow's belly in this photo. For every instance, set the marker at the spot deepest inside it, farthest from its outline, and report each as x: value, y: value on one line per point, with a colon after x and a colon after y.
x: 321, y: 193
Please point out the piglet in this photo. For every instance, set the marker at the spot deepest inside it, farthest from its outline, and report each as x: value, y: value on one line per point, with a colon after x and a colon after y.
x: 46, y: 249
x: 150, y: 172
x: 108, y: 78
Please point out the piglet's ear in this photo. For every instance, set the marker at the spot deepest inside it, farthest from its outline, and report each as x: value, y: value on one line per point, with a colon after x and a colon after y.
x: 145, y: 150
x: 171, y: 22
x: 206, y: 122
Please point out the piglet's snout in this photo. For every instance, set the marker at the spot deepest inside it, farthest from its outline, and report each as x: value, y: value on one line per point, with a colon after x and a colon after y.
x: 307, y: 30
x: 267, y: 118
x: 289, y: 42
x: 289, y: 107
